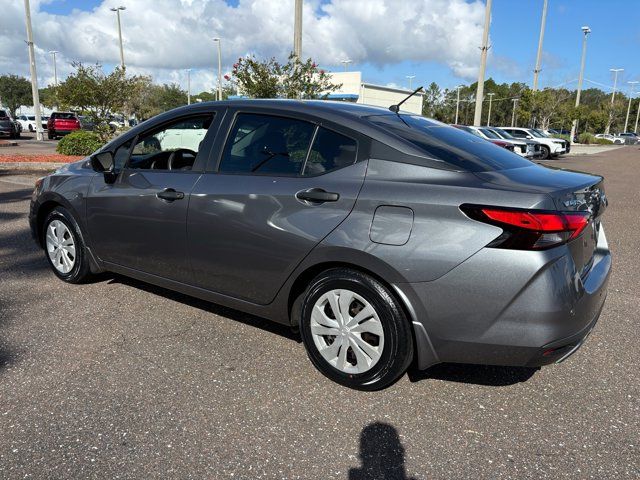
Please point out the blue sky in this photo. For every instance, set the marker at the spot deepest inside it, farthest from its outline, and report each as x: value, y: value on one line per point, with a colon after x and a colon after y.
x: 615, y: 42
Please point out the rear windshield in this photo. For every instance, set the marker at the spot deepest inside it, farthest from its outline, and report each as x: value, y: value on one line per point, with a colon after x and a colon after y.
x: 439, y: 141
x: 67, y: 116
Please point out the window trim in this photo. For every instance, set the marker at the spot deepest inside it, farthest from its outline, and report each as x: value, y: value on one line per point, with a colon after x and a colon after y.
x: 317, y: 123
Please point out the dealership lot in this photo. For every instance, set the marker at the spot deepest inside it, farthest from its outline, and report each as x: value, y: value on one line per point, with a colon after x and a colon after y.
x: 119, y: 379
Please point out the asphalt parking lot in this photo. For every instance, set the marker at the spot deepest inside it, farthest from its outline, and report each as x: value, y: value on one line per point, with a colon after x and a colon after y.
x: 119, y: 379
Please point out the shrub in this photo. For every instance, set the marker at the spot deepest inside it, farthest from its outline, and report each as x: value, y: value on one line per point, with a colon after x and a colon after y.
x: 80, y: 142
x: 588, y: 138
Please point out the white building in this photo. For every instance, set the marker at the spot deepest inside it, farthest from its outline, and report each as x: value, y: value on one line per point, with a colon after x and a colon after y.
x: 353, y: 89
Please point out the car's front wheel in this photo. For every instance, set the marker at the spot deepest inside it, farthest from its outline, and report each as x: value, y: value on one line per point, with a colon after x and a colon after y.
x: 546, y: 152
x: 64, y: 247
x: 355, y: 331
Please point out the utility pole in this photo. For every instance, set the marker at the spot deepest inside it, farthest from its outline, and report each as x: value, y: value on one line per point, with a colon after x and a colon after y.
x: 613, y: 95
x: 410, y: 78
x: 188, y: 86
x: 477, y: 118
x: 626, y: 122
x: 34, y: 75
x: 513, y: 115
x: 218, y: 41
x: 117, y: 10
x: 297, y: 30
x: 346, y: 62
x: 540, y: 40
x: 457, y: 103
x: 586, y: 31
x: 637, y: 118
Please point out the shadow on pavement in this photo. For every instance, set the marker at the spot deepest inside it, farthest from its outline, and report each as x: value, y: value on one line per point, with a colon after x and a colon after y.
x: 488, y: 375
x: 381, y: 454
x: 247, y: 319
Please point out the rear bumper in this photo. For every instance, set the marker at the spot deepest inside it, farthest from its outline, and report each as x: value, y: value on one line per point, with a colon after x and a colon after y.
x: 512, y: 308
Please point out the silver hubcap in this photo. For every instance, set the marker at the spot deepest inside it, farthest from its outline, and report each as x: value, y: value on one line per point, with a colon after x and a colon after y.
x: 347, y: 331
x: 60, y: 246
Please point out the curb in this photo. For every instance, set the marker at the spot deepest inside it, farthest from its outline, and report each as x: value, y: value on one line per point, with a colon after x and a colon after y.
x: 46, y: 166
x: 6, y: 143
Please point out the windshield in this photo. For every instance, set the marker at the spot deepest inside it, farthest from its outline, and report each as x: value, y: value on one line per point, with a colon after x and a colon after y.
x: 31, y: 117
x: 536, y: 133
x: 489, y: 133
x: 502, y: 133
x: 451, y: 145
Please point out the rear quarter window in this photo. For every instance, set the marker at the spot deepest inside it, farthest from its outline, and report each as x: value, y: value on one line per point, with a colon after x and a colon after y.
x: 441, y: 142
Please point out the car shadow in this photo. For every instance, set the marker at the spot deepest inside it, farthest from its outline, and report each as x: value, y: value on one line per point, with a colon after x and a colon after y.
x: 487, y: 375
x: 381, y: 454
x: 236, y: 315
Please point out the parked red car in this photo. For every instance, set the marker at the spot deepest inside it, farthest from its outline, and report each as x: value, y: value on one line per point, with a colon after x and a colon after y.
x: 61, y: 123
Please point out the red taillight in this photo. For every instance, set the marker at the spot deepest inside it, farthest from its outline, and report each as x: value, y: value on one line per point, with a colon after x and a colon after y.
x: 530, y: 229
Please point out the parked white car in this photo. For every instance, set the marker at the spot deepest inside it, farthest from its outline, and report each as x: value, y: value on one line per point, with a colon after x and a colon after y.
x: 524, y: 148
x: 551, y: 147
x: 612, y: 138
x: 28, y: 122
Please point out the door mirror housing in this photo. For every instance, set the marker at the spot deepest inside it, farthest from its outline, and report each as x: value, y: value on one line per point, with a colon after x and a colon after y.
x: 103, y: 162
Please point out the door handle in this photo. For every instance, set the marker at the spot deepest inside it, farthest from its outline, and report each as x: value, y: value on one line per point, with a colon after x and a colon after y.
x: 169, y: 195
x: 317, y: 196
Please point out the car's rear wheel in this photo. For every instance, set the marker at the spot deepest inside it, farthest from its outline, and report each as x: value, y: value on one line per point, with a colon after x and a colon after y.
x: 49, y: 134
x: 546, y: 152
x: 64, y: 247
x: 31, y: 128
x: 354, y: 330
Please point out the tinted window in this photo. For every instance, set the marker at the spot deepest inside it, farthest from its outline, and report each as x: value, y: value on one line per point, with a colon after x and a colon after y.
x: 502, y: 133
x: 489, y: 133
x: 330, y: 151
x: 518, y: 133
x: 3, y: 114
x: 267, y: 144
x: 65, y: 115
x: 171, y: 147
x: 447, y: 144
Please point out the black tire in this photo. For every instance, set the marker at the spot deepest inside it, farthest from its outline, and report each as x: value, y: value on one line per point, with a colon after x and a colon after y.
x: 546, y: 152
x: 30, y: 128
x: 81, y: 269
x: 397, y: 352
x: 49, y: 135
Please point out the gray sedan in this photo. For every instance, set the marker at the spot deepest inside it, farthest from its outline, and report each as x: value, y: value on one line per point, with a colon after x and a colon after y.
x: 387, y: 238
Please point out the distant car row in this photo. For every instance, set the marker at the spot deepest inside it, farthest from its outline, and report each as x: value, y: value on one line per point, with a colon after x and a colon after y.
x: 526, y: 142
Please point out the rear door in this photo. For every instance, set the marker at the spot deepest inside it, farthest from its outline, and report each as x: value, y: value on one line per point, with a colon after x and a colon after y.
x: 280, y: 184
x: 139, y: 221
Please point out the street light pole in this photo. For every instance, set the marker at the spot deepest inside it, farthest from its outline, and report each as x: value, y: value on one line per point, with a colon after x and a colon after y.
x: 457, y: 103
x: 489, y: 114
x: 410, y: 77
x: 218, y: 41
x: 346, y: 62
x: 188, y: 86
x: 586, y: 31
x: 637, y: 118
x: 55, y: 68
x: 477, y: 118
x: 34, y: 75
x: 297, y: 30
x: 117, y: 10
x: 626, y: 122
x: 540, y: 40
x: 513, y: 115
x: 613, y: 95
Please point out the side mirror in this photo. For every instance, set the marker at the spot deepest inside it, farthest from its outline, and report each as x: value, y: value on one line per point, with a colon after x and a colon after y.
x: 529, y: 137
x: 103, y: 162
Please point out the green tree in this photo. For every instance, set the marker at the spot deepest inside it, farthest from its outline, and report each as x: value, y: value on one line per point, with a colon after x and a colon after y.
x: 14, y: 92
x: 272, y: 79
x: 432, y: 100
x: 149, y: 100
x: 96, y: 93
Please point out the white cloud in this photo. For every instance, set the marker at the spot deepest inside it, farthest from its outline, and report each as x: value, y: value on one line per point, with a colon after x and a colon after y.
x: 164, y: 37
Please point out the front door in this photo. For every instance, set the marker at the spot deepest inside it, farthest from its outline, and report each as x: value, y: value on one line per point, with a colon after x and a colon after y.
x: 139, y: 221
x: 282, y: 185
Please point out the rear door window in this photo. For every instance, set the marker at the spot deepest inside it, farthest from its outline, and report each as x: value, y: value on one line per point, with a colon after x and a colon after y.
x: 441, y: 142
x: 266, y: 144
x: 330, y: 151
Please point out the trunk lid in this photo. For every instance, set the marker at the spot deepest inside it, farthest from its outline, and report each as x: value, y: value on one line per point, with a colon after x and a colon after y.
x: 570, y: 191
x: 66, y: 124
